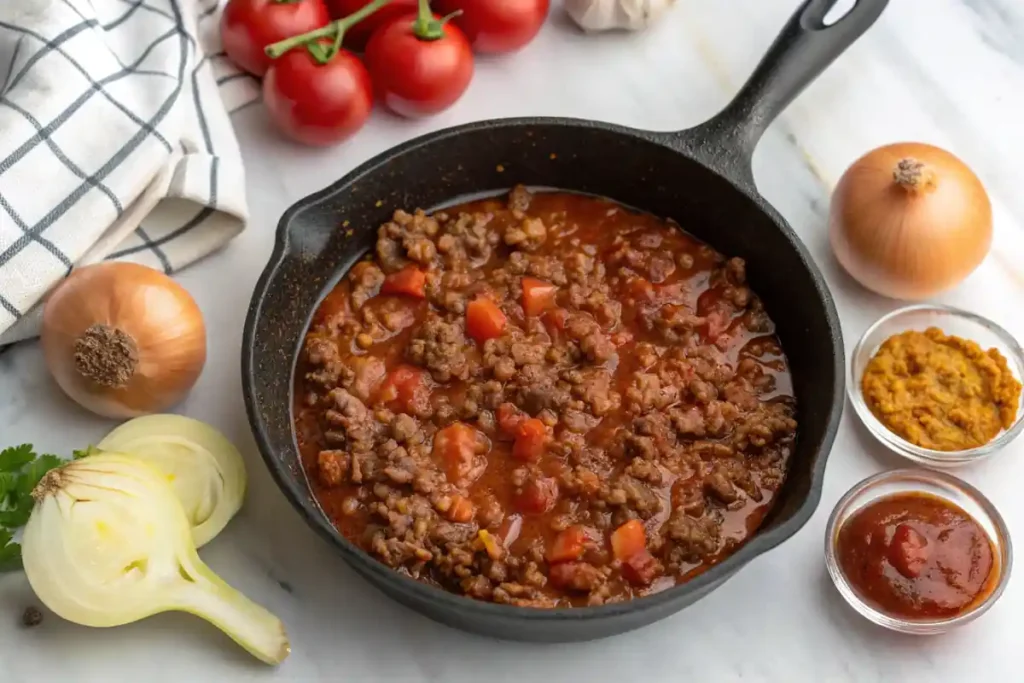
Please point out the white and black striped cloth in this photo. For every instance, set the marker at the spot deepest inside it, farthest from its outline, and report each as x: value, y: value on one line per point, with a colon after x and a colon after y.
x: 115, y: 141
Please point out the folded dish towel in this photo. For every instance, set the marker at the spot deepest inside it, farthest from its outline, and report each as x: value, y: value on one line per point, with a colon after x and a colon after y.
x: 115, y: 142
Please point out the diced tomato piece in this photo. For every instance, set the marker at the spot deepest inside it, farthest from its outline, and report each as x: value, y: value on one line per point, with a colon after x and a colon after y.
x: 462, y: 509
x: 555, y: 319
x: 531, y: 439
x: 484, y: 320
x: 457, y: 446
x: 641, y: 569
x: 908, y: 551
x: 629, y: 539
x: 568, y: 545
x: 410, y: 281
x: 509, y: 418
x: 640, y: 288
x: 538, y: 296
x: 537, y: 496
x: 405, y: 387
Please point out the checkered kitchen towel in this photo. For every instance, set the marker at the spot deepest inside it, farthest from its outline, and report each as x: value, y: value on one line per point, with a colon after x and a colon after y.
x: 115, y: 142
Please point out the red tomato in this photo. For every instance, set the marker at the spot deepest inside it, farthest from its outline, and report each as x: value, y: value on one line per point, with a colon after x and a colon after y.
x: 908, y: 551
x: 484, y: 320
x: 628, y: 539
x: 509, y: 418
x: 416, y: 76
x: 531, y: 440
x: 406, y: 388
x: 318, y: 104
x: 537, y: 496
x: 568, y: 545
x: 640, y: 288
x: 456, y: 446
x: 497, y: 25
x: 357, y: 36
x: 538, y: 295
x: 248, y: 26
x: 410, y: 281
x: 462, y: 509
x: 555, y: 319
x: 641, y: 568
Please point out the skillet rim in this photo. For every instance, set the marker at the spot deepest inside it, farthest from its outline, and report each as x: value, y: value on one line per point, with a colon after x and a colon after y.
x: 680, y: 142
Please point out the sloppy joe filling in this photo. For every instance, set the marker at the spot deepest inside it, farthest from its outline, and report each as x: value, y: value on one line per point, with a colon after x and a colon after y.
x: 546, y: 400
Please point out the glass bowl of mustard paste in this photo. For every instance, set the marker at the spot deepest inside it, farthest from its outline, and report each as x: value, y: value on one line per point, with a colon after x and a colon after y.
x: 938, y: 385
x: 918, y: 551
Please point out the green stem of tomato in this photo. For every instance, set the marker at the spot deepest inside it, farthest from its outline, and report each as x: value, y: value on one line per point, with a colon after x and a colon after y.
x: 426, y: 27
x: 334, y: 30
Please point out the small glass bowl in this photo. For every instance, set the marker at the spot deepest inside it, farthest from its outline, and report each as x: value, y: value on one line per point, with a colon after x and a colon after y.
x: 944, y: 486
x: 952, y: 321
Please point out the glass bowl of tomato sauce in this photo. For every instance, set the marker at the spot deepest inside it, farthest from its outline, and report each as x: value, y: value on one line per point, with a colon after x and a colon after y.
x: 918, y: 551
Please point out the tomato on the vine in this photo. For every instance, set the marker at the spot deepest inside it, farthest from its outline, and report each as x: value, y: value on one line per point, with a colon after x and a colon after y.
x: 420, y: 64
x: 248, y: 26
x: 495, y: 26
x: 357, y: 36
x: 318, y: 103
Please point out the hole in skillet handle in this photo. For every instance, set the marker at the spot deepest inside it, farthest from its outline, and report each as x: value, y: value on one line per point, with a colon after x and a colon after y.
x: 838, y: 11
x: 805, y: 47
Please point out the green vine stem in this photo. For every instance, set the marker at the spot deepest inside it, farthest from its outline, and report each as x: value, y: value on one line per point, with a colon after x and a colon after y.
x: 426, y: 27
x: 334, y: 30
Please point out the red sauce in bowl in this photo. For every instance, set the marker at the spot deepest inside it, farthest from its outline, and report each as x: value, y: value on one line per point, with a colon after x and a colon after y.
x: 917, y: 556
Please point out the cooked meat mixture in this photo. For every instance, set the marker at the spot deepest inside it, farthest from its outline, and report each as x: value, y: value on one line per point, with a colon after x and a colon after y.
x: 545, y: 401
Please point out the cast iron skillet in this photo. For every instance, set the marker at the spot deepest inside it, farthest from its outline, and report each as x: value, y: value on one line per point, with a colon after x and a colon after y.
x: 700, y: 177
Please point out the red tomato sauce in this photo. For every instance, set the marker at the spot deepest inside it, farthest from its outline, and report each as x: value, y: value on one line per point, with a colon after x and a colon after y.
x: 917, y: 556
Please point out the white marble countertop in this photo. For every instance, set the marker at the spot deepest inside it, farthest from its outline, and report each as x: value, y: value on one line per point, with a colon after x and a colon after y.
x: 949, y: 72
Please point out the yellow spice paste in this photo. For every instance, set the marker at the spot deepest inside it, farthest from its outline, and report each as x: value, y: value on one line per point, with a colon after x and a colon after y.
x: 939, y: 391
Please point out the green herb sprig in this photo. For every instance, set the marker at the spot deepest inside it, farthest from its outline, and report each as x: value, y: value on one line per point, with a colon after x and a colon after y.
x: 20, y: 470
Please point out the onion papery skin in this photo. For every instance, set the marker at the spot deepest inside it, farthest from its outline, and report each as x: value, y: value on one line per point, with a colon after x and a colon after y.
x: 142, y: 304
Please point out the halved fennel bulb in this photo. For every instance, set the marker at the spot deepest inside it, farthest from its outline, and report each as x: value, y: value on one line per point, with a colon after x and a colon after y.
x: 108, y: 544
x: 204, y: 468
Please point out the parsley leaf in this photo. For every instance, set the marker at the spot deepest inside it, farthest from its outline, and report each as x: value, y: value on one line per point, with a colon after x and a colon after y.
x: 17, y: 516
x: 20, y: 472
x: 14, y: 458
x: 19, y: 503
x: 10, y: 552
x: 35, y: 471
x: 8, y: 485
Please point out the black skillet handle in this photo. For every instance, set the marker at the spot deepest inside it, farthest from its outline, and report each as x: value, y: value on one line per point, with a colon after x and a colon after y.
x: 804, y: 49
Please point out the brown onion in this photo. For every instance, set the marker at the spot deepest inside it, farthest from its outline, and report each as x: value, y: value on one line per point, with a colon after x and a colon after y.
x: 123, y: 340
x: 910, y: 220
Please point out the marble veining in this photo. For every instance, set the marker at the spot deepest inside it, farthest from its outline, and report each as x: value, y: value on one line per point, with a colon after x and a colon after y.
x: 950, y: 72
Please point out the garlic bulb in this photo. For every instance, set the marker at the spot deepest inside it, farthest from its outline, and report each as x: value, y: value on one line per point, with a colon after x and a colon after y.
x: 605, y: 15
x: 108, y: 544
